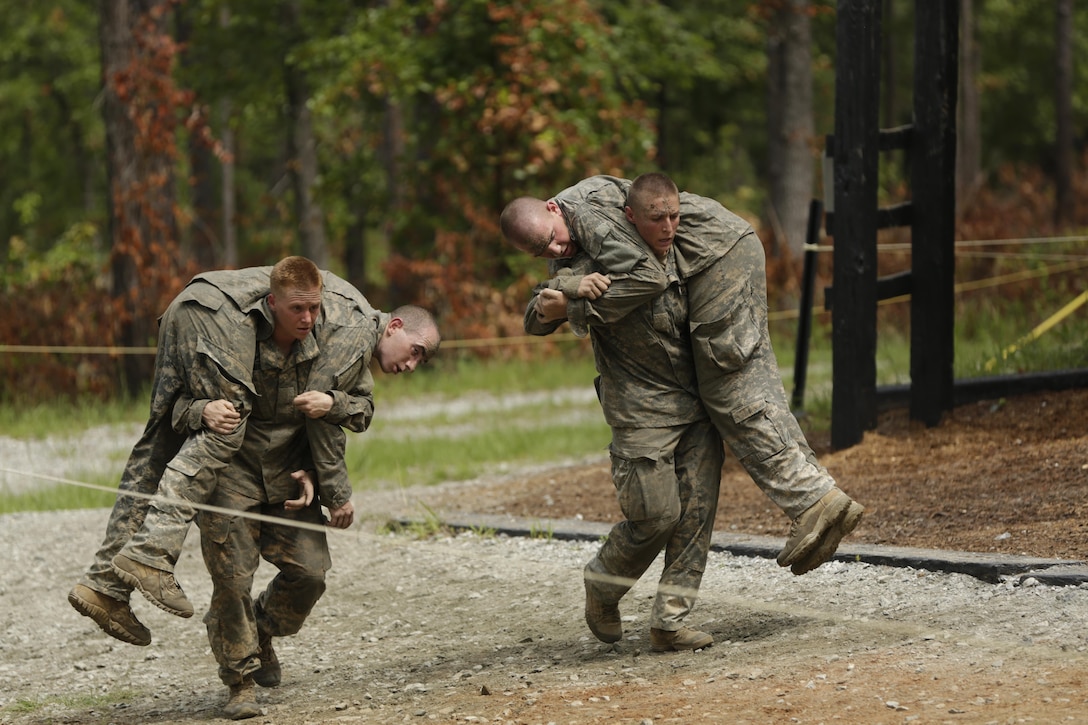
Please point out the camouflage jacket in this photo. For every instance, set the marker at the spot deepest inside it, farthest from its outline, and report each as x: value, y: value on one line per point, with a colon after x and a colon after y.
x: 639, y: 327
x: 338, y: 363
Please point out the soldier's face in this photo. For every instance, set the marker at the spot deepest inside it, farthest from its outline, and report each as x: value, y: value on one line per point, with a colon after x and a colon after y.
x: 558, y: 244
x: 295, y: 311
x: 400, y: 351
x: 656, y: 218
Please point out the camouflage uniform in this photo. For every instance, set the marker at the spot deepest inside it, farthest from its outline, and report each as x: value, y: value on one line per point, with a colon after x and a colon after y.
x: 279, y: 440
x: 666, y: 455
x: 722, y: 266
x: 207, y: 338
x: 198, y: 360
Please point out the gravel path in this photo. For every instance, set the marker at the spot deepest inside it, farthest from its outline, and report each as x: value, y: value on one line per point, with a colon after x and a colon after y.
x: 489, y: 629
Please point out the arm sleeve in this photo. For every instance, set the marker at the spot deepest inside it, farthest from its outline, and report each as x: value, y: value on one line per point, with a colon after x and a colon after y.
x: 531, y: 323
x: 188, y: 414
x: 353, y: 409
x: 613, y: 243
x: 627, y: 292
x: 345, y: 375
x: 567, y: 275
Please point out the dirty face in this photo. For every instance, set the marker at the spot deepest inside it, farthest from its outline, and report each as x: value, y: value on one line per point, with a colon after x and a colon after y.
x: 656, y: 217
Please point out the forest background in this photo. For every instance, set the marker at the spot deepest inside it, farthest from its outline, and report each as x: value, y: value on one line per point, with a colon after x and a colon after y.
x: 147, y: 140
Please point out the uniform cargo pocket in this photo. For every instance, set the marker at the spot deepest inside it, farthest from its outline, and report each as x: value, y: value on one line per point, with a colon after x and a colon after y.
x: 215, y: 526
x: 645, y: 484
x: 185, y: 465
x: 731, y: 339
x: 756, y: 434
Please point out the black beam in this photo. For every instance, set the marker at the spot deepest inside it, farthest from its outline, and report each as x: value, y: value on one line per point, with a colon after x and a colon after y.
x: 898, y: 215
x: 933, y: 177
x: 853, y: 321
x: 804, y: 316
x: 894, y: 285
x: 972, y: 390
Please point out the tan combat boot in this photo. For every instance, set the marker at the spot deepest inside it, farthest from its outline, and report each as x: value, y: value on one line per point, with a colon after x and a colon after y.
x: 243, y: 701
x: 810, y: 528
x: 270, y: 672
x: 112, y: 615
x: 662, y: 640
x: 825, y: 549
x: 602, y: 617
x: 158, y: 586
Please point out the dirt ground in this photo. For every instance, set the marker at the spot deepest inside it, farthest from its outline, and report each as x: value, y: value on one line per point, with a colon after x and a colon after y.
x: 483, y: 629
x: 1009, y: 476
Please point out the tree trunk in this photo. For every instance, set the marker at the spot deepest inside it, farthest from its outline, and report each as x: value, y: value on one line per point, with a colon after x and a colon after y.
x: 790, y: 119
x: 227, y: 190
x: 142, y: 225
x: 302, y: 153
x: 200, y: 243
x: 1063, y: 112
x: 968, y: 136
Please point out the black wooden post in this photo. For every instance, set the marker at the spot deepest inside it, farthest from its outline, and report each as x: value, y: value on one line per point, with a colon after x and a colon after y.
x: 933, y: 175
x: 853, y: 317
x: 804, y: 317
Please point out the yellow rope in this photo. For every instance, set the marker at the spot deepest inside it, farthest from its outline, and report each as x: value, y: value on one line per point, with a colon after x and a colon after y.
x: 1040, y: 329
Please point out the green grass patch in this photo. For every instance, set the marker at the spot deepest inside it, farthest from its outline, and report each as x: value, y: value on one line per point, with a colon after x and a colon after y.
x: 456, y: 373
x: 78, y: 702
x: 65, y: 497
x: 380, y: 460
x: 38, y: 420
x: 428, y: 526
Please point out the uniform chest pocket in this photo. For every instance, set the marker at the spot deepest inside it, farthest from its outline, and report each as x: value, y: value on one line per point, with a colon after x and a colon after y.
x: 669, y: 313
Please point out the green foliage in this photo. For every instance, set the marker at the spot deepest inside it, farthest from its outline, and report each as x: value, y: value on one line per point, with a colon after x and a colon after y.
x: 76, y: 254
x: 427, y: 118
x: 53, y: 143
x: 1017, y: 83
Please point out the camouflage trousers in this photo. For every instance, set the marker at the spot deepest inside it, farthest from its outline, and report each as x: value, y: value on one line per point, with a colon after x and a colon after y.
x: 181, y: 467
x: 739, y: 381
x: 667, y: 482
x: 233, y: 547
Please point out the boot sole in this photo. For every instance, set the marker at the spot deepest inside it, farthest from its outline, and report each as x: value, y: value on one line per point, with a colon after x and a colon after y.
x: 240, y: 712
x: 674, y: 648
x: 102, y: 618
x: 830, y: 543
x: 134, y: 581
x: 827, y: 521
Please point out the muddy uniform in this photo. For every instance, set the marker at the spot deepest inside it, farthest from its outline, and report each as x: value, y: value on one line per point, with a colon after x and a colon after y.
x: 666, y: 455
x: 207, y: 338
x: 278, y: 441
x: 198, y: 359
x: 721, y: 262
